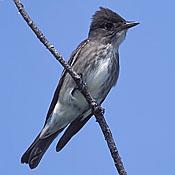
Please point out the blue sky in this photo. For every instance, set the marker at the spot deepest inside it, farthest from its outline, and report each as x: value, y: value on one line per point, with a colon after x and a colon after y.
x: 140, y: 110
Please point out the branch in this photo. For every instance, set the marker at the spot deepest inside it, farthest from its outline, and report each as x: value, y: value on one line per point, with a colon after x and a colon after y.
x: 96, y: 109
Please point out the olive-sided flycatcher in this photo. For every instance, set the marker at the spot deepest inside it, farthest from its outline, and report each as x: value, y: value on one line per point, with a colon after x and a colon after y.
x: 96, y: 59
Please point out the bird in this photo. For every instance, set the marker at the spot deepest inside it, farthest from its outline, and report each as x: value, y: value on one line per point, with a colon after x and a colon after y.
x: 96, y: 60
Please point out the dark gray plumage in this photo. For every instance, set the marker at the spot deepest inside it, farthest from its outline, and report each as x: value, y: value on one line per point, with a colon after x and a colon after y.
x: 97, y: 60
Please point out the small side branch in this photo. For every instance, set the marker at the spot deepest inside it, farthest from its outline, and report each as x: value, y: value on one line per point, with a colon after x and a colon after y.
x: 96, y: 109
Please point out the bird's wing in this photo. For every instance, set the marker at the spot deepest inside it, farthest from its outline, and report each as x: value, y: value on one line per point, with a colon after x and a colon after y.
x: 80, y: 121
x: 71, y: 61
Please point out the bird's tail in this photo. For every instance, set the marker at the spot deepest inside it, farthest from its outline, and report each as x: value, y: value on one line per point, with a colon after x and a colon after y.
x: 37, y: 149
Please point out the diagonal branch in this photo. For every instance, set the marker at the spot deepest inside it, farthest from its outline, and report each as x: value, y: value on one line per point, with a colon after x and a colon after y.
x: 96, y: 109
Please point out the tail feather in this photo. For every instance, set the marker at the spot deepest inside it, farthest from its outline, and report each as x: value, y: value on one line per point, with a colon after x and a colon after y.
x: 37, y: 149
x: 72, y: 129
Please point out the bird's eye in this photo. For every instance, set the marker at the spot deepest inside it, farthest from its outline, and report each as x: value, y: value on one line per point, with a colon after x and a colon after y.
x: 108, y: 26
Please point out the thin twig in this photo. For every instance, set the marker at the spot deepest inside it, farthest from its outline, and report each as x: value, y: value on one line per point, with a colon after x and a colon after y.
x: 96, y: 109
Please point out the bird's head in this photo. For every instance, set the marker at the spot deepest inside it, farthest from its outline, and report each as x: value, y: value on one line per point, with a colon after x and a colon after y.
x: 107, y: 26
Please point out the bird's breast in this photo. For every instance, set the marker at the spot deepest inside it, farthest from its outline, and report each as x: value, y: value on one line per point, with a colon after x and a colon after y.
x: 103, y: 77
x: 99, y: 75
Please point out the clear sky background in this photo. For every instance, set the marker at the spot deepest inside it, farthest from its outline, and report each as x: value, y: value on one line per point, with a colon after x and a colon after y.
x: 140, y: 110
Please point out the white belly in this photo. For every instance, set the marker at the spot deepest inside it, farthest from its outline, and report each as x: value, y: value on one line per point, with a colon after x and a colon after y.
x: 98, y: 78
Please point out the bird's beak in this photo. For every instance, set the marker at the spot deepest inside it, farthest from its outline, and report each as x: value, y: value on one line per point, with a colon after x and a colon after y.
x: 128, y: 25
